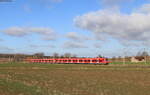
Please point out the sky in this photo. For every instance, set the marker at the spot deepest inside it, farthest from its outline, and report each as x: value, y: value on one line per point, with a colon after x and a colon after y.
x: 81, y: 27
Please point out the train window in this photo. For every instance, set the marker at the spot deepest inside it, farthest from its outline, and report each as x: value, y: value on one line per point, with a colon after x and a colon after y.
x: 101, y: 60
x: 67, y: 61
x: 80, y: 60
x: 94, y: 61
x: 85, y: 61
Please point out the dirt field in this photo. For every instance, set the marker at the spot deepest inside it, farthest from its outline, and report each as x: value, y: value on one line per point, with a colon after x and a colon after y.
x: 44, y: 79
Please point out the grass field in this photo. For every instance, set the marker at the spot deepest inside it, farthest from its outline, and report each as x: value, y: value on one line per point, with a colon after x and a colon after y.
x: 71, y: 79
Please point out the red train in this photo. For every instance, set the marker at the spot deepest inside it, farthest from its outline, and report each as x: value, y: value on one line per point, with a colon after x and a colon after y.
x: 71, y: 61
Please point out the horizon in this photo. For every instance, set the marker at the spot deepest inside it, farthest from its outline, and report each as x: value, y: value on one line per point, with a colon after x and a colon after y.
x: 81, y: 27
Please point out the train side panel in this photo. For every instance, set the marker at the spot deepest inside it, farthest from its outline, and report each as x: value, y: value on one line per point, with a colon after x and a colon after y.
x: 71, y: 61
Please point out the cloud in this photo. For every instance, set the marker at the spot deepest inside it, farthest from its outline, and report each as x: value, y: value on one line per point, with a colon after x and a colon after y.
x: 1, y: 39
x: 127, y: 43
x: 50, y: 1
x: 41, y: 46
x: 70, y: 44
x: 15, y: 31
x: 77, y: 37
x: 46, y: 33
x: 5, y: 49
x: 144, y: 8
x: 5, y: 0
x: 115, y: 2
x: 123, y: 27
x: 42, y: 3
x: 27, y: 8
x: 98, y: 45
x: 57, y: 1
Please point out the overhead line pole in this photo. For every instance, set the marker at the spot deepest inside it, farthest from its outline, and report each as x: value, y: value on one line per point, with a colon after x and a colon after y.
x: 124, y: 60
x: 145, y: 56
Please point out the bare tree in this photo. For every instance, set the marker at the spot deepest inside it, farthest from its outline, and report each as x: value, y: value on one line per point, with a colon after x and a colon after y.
x: 100, y: 56
x: 144, y: 53
x: 39, y: 55
x: 74, y: 55
x: 55, y: 55
x: 67, y: 55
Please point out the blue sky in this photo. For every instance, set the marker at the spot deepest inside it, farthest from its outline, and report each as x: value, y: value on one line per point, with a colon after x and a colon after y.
x: 81, y: 27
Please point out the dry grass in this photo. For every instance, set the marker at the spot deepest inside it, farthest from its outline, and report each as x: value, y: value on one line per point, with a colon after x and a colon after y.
x: 25, y: 79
